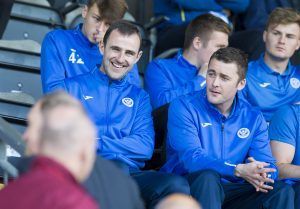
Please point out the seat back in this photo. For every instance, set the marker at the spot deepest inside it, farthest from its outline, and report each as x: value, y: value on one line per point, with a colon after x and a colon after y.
x: 160, y: 123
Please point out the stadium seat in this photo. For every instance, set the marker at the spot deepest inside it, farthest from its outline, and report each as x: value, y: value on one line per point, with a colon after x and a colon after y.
x: 160, y: 122
x: 19, y: 71
x: 31, y: 21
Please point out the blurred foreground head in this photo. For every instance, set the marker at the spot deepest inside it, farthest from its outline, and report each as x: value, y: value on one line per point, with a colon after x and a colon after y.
x: 59, y: 128
x: 178, y: 201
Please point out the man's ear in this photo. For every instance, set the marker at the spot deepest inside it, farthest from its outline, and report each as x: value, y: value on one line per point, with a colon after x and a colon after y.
x: 264, y: 36
x: 139, y: 55
x: 84, y: 11
x: 241, y: 84
x: 101, y: 47
x: 197, y: 42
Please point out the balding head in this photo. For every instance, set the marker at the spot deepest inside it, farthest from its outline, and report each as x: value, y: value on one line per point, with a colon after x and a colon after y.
x: 178, y: 201
x: 60, y: 129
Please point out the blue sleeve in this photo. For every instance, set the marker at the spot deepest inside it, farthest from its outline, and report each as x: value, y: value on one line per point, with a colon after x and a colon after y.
x: 184, y: 138
x: 160, y: 88
x: 134, y: 77
x: 283, y: 126
x: 139, y: 144
x: 52, y: 70
x: 260, y: 148
x: 235, y: 6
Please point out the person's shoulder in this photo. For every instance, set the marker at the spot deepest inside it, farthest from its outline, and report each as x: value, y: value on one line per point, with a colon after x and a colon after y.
x: 191, y: 100
x: 253, y: 66
x: 80, y: 78
x: 288, y: 111
x: 162, y: 64
x: 59, y: 34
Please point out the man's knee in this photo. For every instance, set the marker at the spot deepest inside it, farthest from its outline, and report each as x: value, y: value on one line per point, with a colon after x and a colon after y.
x: 176, y: 184
x: 282, y: 188
x: 296, y: 188
x: 204, y: 177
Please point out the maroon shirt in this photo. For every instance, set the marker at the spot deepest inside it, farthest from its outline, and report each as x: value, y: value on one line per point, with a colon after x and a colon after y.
x: 47, y: 185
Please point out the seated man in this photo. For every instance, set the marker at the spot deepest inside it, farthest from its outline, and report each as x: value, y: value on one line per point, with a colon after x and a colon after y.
x: 67, y: 53
x: 65, y: 158
x: 167, y: 79
x: 106, y: 183
x: 271, y: 80
x: 122, y: 112
x: 220, y: 143
x: 285, y: 143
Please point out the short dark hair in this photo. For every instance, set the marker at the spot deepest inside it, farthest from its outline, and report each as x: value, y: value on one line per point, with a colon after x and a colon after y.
x: 110, y: 10
x: 125, y: 28
x: 233, y: 55
x: 203, y: 26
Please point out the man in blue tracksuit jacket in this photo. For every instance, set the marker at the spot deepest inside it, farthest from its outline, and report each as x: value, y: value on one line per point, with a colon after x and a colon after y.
x: 67, y: 53
x: 220, y: 143
x: 181, y: 12
x: 271, y: 80
x: 167, y: 79
x: 284, y: 132
x: 122, y: 112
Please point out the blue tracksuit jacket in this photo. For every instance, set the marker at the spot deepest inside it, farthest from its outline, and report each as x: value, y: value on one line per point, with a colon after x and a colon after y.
x: 67, y: 53
x: 122, y: 115
x: 200, y: 137
x: 167, y: 79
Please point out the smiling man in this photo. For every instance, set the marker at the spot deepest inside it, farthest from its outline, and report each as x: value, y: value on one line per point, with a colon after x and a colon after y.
x: 272, y: 81
x: 68, y: 53
x: 220, y: 144
x: 122, y: 113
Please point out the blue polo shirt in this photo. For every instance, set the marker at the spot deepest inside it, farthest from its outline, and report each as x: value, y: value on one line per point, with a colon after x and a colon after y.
x: 268, y: 90
x: 167, y: 79
x: 285, y: 127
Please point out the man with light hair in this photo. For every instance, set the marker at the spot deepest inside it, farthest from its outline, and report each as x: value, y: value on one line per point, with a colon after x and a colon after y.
x: 272, y: 81
x: 65, y: 157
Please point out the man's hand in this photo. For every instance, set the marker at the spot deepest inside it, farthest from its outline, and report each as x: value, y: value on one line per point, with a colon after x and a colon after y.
x: 256, y: 173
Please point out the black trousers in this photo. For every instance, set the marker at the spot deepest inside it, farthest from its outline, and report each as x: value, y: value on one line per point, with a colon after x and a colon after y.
x: 207, y: 188
x: 296, y: 188
x: 155, y: 185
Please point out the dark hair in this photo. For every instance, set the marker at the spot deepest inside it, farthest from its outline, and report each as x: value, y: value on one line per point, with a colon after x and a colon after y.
x: 203, y: 26
x: 233, y: 55
x: 283, y: 16
x: 125, y: 28
x: 110, y: 10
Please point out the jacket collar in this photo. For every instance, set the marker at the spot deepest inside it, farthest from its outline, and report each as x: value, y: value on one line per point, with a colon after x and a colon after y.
x: 213, y: 109
x: 100, y: 76
x: 184, y: 62
x: 267, y: 69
